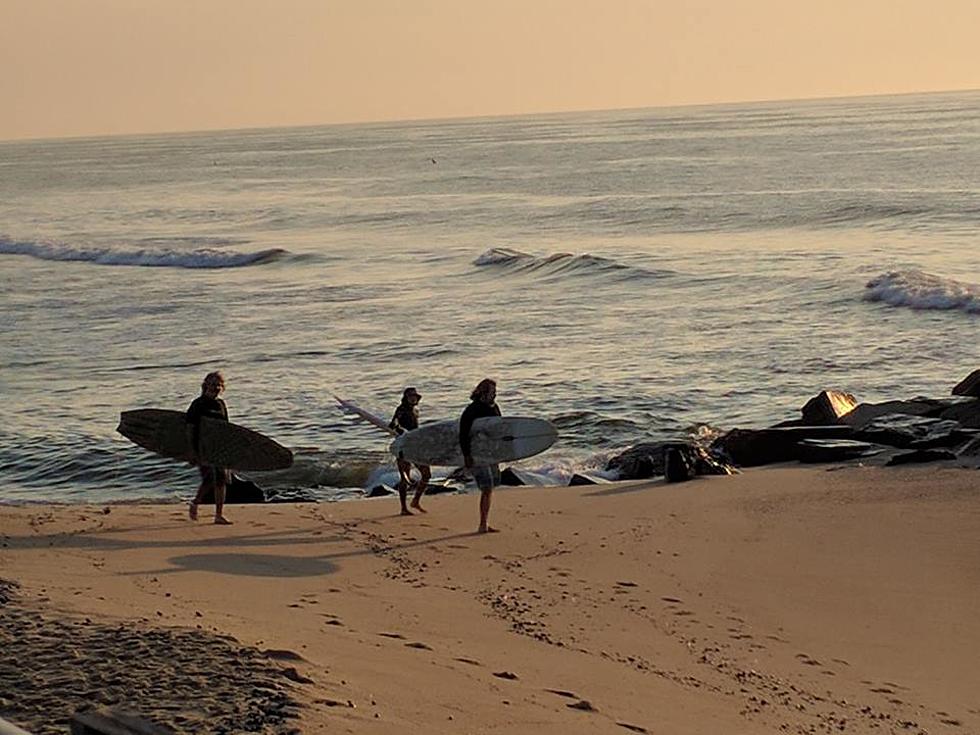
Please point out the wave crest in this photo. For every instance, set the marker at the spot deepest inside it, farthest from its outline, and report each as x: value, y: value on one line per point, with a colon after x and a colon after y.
x: 144, y: 257
x: 562, y: 264
x: 919, y: 290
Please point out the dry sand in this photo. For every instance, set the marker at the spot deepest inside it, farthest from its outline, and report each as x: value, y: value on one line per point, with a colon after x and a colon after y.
x: 796, y: 600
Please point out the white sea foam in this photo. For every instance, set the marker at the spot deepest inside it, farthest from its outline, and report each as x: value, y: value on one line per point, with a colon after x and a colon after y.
x: 919, y: 290
x: 146, y: 257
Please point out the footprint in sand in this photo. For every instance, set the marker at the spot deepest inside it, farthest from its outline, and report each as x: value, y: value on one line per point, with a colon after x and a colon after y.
x: 420, y: 646
x: 282, y: 654
x: 584, y: 705
x: 505, y: 675
x: 469, y: 661
x: 632, y: 728
x: 563, y: 693
x: 399, y: 636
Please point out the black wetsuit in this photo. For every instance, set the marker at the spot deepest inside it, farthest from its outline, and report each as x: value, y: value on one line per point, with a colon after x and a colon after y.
x: 406, y: 418
x: 212, y: 408
x: 476, y: 410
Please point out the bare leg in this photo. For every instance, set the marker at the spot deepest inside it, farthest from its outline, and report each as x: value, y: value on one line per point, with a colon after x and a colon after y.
x: 485, y: 511
x: 201, y: 492
x: 219, y: 504
x: 404, y: 480
x: 425, y: 473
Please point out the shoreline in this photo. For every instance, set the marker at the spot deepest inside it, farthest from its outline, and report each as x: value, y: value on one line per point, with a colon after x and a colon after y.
x: 783, y: 599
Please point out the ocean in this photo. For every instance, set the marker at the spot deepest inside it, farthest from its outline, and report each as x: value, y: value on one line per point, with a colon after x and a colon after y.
x: 630, y: 275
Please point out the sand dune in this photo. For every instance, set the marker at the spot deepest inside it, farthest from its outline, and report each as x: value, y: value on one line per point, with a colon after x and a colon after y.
x: 780, y: 600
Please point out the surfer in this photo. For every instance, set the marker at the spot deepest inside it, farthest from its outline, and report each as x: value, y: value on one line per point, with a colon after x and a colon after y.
x: 212, y: 478
x: 406, y: 418
x: 483, y: 404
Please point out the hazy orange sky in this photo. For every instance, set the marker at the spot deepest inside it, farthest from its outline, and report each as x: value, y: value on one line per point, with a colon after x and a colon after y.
x: 89, y: 67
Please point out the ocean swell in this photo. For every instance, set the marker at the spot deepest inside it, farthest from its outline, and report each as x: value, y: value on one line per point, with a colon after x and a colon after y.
x: 562, y: 264
x: 919, y: 290
x: 145, y: 257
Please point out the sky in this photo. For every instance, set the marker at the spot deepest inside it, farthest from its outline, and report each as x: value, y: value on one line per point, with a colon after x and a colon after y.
x: 102, y: 67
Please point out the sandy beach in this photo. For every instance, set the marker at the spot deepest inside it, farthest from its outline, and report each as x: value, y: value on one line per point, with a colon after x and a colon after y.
x: 796, y: 600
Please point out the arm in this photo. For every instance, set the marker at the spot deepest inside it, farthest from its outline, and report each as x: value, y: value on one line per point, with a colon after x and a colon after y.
x: 193, y: 428
x: 465, y: 424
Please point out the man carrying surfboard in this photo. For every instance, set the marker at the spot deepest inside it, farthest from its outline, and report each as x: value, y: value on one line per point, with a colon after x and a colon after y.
x: 483, y: 404
x: 406, y: 418
x: 212, y: 478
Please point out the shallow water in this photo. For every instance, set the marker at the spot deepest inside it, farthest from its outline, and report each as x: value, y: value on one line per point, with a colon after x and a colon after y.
x: 629, y: 275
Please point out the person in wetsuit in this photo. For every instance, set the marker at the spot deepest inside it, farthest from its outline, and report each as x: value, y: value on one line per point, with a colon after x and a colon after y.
x: 213, y: 479
x: 406, y: 418
x: 483, y: 404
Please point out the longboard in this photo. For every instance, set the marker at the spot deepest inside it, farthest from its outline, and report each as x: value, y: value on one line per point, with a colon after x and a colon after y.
x: 494, y: 440
x: 223, y: 444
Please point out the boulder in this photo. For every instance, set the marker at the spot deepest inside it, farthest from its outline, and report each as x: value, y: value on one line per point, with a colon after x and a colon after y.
x: 867, y: 412
x: 646, y: 460
x: 918, y: 432
x: 516, y: 477
x: 379, y: 491
x: 238, y: 491
x: 834, y: 450
x: 965, y: 412
x: 639, y: 461
x: 583, y: 478
x: 919, y: 456
x: 969, y: 386
x: 826, y: 408
x: 676, y: 465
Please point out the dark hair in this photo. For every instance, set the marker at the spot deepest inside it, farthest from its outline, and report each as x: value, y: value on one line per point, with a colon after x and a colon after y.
x: 483, y: 389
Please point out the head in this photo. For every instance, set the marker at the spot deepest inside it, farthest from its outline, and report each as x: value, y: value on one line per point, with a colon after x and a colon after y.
x: 213, y: 384
x: 486, y: 391
x: 410, y: 395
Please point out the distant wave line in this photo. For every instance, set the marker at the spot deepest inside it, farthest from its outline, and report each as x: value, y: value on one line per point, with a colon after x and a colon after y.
x: 151, y: 258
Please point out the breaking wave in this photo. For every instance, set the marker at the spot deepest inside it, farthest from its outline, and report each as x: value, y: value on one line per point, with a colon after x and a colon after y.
x: 561, y: 264
x: 919, y: 290
x: 145, y: 257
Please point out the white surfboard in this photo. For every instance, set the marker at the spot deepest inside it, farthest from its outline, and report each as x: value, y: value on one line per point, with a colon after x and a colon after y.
x: 494, y: 440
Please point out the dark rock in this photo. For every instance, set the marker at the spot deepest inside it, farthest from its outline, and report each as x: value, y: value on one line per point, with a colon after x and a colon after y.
x: 826, y: 408
x: 438, y: 488
x: 969, y: 386
x: 834, y: 450
x: 379, y: 491
x: 966, y: 412
x: 755, y: 447
x: 971, y: 448
x: 646, y: 460
x: 639, y: 461
x: 516, y: 477
x: 582, y: 478
x: 921, y: 455
x: 867, y: 412
x: 919, y: 432
x: 676, y: 466
x: 239, y: 490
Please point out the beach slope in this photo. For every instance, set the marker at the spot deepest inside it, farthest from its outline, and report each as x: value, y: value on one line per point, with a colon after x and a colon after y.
x: 799, y: 600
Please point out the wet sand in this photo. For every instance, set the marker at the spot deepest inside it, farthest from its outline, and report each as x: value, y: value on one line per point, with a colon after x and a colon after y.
x: 782, y: 600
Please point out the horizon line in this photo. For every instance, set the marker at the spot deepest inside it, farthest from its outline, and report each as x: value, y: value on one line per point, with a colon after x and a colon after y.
x: 491, y: 116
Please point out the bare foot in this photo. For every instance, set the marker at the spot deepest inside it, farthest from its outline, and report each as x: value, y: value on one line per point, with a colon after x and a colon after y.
x: 221, y: 521
x: 418, y: 507
x: 406, y: 512
x: 192, y: 511
x: 487, y: 529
